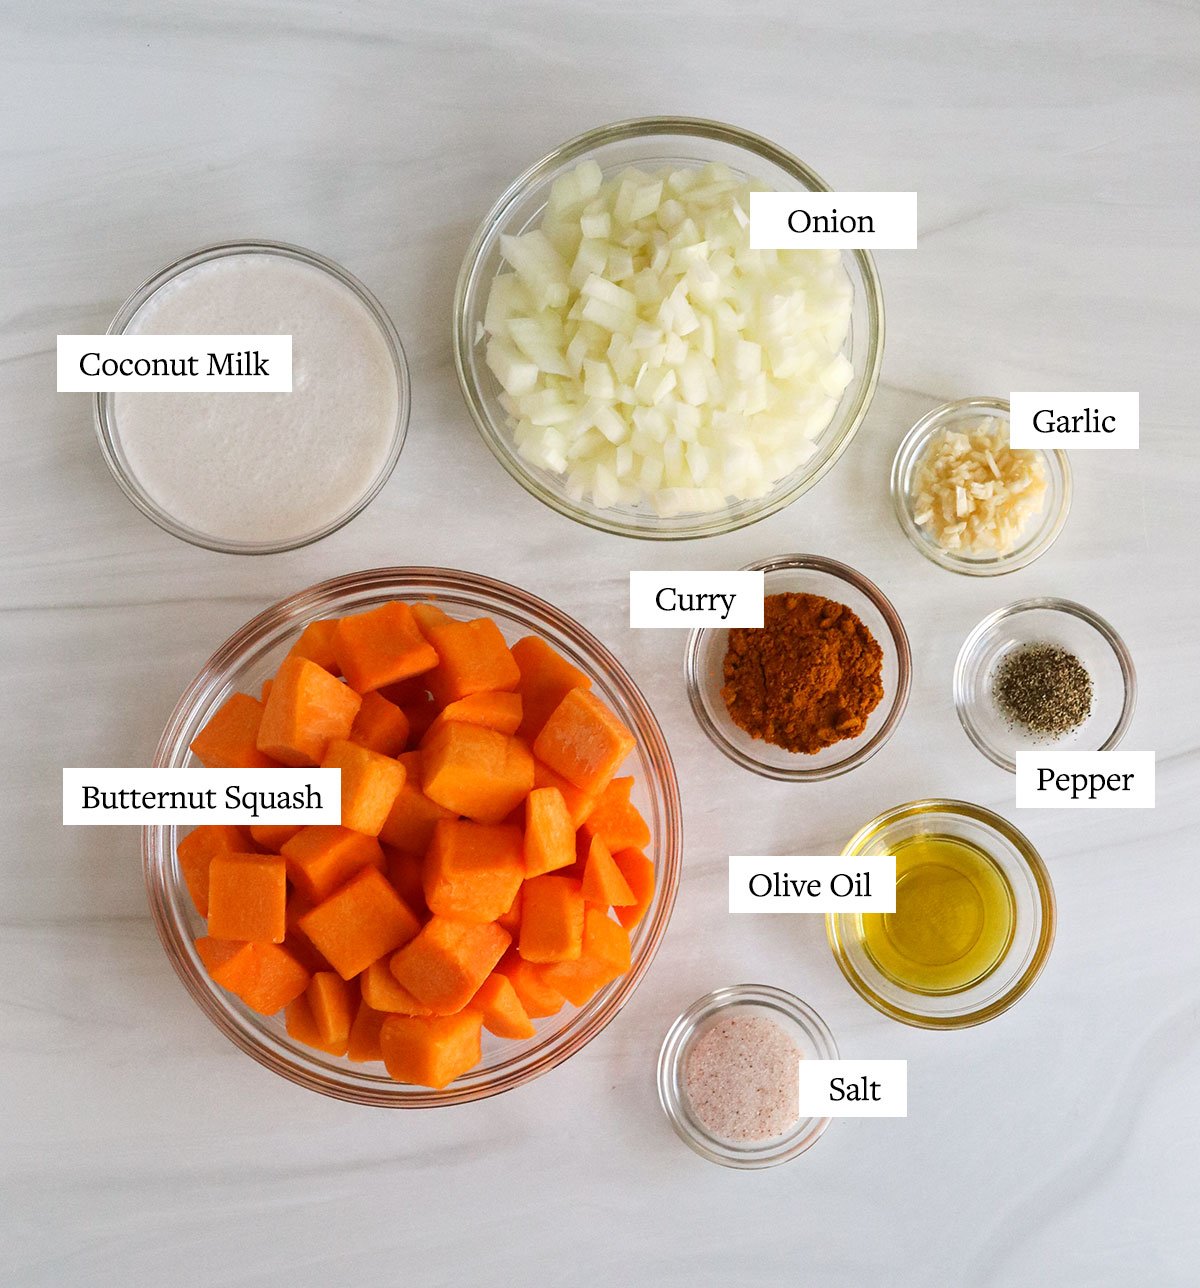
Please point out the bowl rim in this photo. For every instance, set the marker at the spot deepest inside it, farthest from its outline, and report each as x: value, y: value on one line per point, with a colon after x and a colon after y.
x: 573, y: 149
x: 915, y: 440
x: 935, y: 805
x: 586, y: 1022
x: 1045, y: 603
x: 676, y: 1040
x: 857, y: 754
x: 104, y: 418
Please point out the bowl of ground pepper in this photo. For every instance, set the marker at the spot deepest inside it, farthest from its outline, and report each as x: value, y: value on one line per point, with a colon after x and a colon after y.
x: 1043, y: 673
x: 819, y: 688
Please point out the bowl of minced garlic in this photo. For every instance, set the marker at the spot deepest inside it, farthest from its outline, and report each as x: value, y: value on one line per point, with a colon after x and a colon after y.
x: 818, y: 688
x: 968, y: 500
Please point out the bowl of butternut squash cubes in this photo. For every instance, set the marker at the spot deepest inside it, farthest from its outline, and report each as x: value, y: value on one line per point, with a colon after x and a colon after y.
x: 507, y: 858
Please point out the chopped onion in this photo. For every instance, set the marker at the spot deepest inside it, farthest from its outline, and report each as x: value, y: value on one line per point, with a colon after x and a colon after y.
x: 650, y: 357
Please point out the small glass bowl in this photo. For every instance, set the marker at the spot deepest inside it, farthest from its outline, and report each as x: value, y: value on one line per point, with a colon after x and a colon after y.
x: 109, y: 432
x: 1033, y: 924
x: 655, y: 142
x: 813, y: 575
x: 803, y: 1024
x: 1044, y: 621
x: 1042, y: 530
x: 251, y: 655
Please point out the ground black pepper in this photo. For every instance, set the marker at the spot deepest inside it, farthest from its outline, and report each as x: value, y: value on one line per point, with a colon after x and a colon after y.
x: 1043, y: 688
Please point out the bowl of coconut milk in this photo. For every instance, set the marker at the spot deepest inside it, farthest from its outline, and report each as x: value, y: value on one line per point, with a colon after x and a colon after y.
x: 259, y: 472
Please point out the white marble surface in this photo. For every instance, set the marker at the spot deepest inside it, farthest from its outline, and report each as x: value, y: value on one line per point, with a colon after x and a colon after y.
x: 1053, y: 149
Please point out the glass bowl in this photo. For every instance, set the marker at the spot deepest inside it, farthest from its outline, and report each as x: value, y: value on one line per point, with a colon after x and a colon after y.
x: 1044, y: 621
x: 802, y: 1023
x: 250, y: 656
x: 1042, y: 530
x: 1033, y: 923
x: 655, y: 142
x: 109, y: 432
x: 813, y: 575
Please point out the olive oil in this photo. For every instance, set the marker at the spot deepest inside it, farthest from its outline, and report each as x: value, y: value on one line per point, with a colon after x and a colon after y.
x: 953, y: 920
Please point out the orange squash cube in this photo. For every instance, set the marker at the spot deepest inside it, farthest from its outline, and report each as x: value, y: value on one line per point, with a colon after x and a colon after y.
x: 501, y: 1008
x: 431, y: 1051
x: 380, y: 725
x: 307, y: 709
x: 265, y: 976
x: 445, y: 964
x: 549, y: 832
x: 381, y: 647
x: 476, y: 772
x: 473, y: 657
x: 332, y: 1003
x: 364, y: 1044
x: 360, y: 922
x: 473, y: 870
x: 604, y: 884
x: 247, y: 897
x: 583, y: 741
x: 638, y: 872
x: 528, y: 979
x: 229, y: 739
x: 323, y: 857
x: 315, y: 642
x: 616, y: 820
x: 370, y: 784
x: 551, y: 919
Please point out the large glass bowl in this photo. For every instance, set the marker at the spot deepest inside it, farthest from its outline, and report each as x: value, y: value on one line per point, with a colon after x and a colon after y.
x: 655, y: 142
x: 252, y: 654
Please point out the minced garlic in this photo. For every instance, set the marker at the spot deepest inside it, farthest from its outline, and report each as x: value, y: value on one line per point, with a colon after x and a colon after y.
x: 974, y: 493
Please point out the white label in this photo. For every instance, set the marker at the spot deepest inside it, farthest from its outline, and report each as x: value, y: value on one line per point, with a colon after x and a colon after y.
x: 201, y: 364
x: 687, y: 599
x: 833, y: 221
x: 112, y: 797
x: 1074, y: 420
x: 854, y: 1088
x: 812, y: 883
x: 1085, y: 779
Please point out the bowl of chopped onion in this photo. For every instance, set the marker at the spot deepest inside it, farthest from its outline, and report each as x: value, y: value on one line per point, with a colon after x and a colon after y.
x: 970, y: 502
x: 632, y: 362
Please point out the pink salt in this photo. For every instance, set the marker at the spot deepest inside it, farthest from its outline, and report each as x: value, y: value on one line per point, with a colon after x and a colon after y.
x: 742, y: 1078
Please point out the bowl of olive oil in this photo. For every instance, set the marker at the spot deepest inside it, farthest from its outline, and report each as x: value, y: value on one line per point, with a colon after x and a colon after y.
x: 974, y: 919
